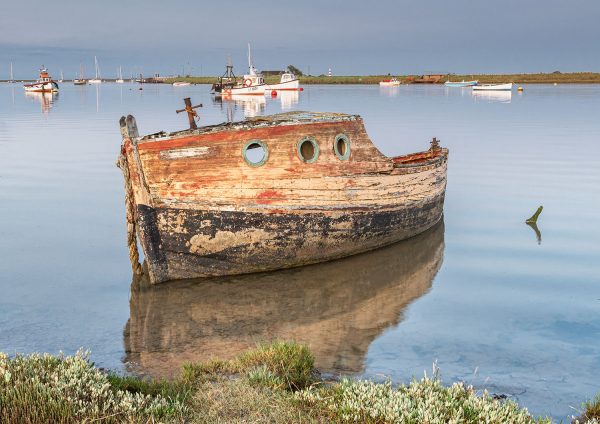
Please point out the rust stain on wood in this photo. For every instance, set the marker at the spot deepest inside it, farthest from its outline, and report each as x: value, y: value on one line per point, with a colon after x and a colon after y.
x: 204, y: 211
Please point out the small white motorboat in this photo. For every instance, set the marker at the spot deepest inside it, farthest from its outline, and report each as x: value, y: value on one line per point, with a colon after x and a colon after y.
x: 392, y: 82
x: 288, y: 81
x: 180, y: 84
x: 493, y: 87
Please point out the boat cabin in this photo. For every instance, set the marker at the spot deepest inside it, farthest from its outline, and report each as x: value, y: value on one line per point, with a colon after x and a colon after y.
x: 287, y: 77
x: 44, y: 76
x: 252, y: 80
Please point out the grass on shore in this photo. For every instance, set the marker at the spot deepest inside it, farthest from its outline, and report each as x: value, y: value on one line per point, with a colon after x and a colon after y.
x: 539, y: 78
x: 591, y: 412
x: 272, y: 383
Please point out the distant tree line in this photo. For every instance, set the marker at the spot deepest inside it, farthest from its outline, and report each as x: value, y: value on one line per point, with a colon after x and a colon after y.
x: 295, y: 70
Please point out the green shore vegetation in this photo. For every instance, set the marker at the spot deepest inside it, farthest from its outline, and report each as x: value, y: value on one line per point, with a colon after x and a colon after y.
x: 539, y: 78
x: 272, y: 383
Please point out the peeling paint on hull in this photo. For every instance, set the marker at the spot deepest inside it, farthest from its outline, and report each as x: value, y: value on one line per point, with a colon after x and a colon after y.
x: 201, y: 210
x: 210, y: 243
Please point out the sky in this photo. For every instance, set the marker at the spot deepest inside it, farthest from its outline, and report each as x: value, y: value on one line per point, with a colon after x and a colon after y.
x: 352, y: 37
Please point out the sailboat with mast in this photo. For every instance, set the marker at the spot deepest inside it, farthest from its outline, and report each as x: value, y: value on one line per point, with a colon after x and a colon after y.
x: 120, y: 80
x: 80, y: 80
x: 12, y: 78
x: 97, y: 79
x: 62, y: 77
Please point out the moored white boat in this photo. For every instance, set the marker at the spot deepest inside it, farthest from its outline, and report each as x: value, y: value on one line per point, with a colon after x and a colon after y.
x: 392, y: 82
x: 180, y: 84
x: 12, y: 78
x: 44, y: 84
x: 460, y: 83
x: 288, y: 82
x: 120, y: 80
x: 97, y: 79
x: 81, y: 80
x: 493, y: 87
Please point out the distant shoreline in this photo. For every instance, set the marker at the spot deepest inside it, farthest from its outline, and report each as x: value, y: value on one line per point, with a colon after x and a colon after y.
x: 539, y: 78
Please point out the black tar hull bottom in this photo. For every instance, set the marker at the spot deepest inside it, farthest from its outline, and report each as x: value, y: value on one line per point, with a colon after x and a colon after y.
x: 182, y: 243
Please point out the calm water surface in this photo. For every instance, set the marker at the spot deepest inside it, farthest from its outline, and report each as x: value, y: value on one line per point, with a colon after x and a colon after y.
x: 479, y: 293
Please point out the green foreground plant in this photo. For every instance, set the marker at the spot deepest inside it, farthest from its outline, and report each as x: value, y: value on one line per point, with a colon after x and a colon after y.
x: 66, y: 389
x: 273, y: 383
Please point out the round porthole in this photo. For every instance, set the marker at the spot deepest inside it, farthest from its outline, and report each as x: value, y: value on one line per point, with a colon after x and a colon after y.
x: 255, y: 153
x: 308, y: 149
x: 341, y: 146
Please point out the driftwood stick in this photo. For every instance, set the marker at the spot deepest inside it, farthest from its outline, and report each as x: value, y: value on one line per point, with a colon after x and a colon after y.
x: 535, y: 216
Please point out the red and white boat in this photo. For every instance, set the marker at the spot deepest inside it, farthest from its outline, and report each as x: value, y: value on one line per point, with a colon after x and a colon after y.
x: 392, y: 82
x: 288, y: 82
x: 252, y: 84
x: 44, y: 84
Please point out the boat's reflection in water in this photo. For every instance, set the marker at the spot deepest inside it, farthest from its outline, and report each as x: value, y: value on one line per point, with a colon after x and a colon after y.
x: 250, y: 105
x: 46, y: 100
x: 288, y: 99
x: 337, y: 308
x: 391, y: 91
x: 493, y: 96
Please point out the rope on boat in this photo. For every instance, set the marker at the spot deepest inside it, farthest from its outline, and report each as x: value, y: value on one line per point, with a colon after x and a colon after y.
x: 134, y: 256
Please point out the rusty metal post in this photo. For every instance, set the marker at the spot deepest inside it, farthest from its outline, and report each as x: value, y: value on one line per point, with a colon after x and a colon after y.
x: 190, y: 111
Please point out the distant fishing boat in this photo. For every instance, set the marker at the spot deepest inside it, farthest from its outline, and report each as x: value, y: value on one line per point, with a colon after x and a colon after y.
x: 44, y: 84
x: 493, y: 87
x: 120, y: 80
x: 253, y: 82
x: 392, y: 82
x: 97, y: 79
x: 227, y: 80
x: 288, y: 82
x: 460, y: 84
x: 80, y: 80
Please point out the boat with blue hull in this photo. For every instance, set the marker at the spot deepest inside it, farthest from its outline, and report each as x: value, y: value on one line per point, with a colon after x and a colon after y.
x: 460, y: 84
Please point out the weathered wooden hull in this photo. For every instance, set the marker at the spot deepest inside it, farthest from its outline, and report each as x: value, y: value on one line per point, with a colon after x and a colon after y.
x: 201, y: 211
x: 181, y: 243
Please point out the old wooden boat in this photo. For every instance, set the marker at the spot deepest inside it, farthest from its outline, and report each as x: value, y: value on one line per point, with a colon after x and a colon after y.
x: 204, y: 203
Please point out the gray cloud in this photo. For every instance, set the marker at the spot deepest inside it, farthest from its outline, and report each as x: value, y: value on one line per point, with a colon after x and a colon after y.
x: 350, y: 36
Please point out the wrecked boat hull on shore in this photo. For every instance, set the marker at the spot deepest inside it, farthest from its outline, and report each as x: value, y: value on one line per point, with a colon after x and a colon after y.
x: 322, y: 192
